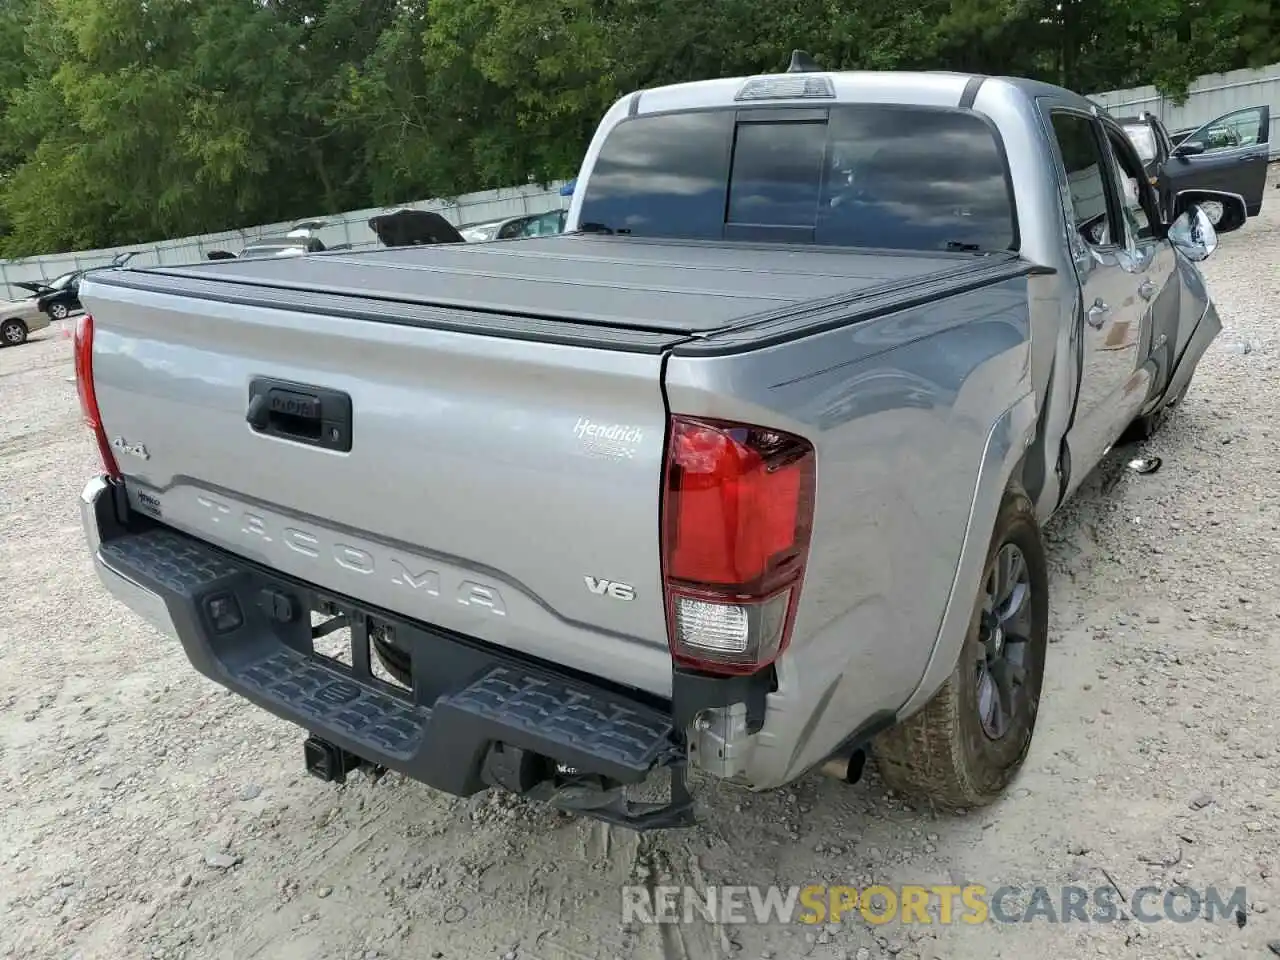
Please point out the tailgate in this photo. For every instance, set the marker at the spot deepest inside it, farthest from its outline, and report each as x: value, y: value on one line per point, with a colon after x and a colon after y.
x: 506, y: 489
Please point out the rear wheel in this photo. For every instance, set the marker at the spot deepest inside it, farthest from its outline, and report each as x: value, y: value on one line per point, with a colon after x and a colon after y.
x: 12, y: 333
x: 965, y: 746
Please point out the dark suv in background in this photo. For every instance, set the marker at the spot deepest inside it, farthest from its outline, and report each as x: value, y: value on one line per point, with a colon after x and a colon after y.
x: 1221, y: 165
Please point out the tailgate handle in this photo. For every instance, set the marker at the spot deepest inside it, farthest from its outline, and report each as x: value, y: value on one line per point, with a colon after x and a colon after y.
x: 299, y: 412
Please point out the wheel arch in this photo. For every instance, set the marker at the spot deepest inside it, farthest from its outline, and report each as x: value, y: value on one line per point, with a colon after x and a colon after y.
x: 1000, y: 474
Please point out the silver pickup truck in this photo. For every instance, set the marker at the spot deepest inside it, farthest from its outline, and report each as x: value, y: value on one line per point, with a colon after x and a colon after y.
x: 742, y: 476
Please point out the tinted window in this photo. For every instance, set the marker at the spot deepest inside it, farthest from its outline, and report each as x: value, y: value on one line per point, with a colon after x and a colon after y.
x: 777, y: 173
x: 871, y: 176
x: 1082, y: 157
x: 662, y: 176
x: 915, y: 180
x: 1240, y: 129
x: 513, y: 228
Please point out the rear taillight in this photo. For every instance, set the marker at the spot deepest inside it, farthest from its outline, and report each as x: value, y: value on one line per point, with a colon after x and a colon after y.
x: 83, y: 347
x: 737, y: 513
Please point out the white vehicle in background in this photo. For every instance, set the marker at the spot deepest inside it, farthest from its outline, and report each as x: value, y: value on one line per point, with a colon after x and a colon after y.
x: 288, y: 246
x: 300, y: 240
x: 513, y: 228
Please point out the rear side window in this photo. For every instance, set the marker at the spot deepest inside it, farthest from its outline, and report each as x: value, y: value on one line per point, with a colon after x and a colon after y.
x: 859, y: 175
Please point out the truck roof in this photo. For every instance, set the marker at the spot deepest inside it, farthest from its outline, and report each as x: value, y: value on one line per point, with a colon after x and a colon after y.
x: 926, y: 87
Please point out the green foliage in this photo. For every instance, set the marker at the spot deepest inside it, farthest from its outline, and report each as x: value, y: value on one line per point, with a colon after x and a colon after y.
x: 128, y: 120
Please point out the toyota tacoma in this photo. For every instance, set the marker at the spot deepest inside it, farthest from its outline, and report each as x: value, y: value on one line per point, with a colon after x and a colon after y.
x: 741, y: 477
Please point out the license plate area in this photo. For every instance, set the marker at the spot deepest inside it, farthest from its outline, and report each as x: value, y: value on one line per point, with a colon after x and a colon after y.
x: 476, y: 717
x: 362, y: 644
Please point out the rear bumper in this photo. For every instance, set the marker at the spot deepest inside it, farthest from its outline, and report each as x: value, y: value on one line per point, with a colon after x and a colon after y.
x: 98, y: 515
x: 476, y: 717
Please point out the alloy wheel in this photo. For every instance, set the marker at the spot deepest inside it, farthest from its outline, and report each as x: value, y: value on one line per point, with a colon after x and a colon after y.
x: 1004, y: 633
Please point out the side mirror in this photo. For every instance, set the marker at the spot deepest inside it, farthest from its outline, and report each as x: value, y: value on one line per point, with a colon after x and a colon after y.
x: 1189, y: 148
x: 1193, y: 234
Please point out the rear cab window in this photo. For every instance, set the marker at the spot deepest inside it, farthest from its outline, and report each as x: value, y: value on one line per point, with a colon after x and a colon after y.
x: 854, y: 175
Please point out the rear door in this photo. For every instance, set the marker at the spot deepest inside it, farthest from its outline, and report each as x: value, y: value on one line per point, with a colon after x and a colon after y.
x: 1228, y: 156
x: 1111, y: 305
x: 1153, y: 267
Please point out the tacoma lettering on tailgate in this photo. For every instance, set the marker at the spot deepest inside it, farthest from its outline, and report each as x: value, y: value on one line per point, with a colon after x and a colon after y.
x: 411, y: 573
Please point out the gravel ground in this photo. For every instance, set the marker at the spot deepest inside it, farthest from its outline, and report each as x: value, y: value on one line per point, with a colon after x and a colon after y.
x: 147, y: 814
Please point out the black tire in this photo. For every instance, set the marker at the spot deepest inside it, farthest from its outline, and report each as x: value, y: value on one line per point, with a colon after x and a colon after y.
x: 943, y: 754
x: 395, y: 660
x: 1226, y: 215
x: 1148, y: 425
x: 12, y: 333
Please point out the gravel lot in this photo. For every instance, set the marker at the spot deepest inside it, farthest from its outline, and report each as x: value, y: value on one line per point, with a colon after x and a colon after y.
x: 147, y: 814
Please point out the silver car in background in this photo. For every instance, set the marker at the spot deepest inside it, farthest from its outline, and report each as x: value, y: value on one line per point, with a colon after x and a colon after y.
x: 19, y: 319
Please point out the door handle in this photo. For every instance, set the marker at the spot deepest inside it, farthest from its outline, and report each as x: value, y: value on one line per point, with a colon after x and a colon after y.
x: 1098, y: 313
x: 1147, y: 290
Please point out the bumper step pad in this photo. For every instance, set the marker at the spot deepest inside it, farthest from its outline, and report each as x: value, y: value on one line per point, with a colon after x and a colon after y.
x: 587, y: 742
x: 329, y: 702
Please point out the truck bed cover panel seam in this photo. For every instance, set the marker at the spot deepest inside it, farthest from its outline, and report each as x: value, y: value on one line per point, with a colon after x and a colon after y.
x: 497, y: 250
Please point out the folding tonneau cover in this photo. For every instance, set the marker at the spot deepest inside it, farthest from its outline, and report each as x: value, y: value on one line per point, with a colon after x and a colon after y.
x: 671, y: 287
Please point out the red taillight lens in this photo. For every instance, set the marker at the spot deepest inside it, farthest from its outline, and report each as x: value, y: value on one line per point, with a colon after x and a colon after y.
x: 737, y: 514
x: 83, y: 347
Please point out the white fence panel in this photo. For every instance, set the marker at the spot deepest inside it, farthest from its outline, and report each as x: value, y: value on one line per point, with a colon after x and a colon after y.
x: 351, y: 227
